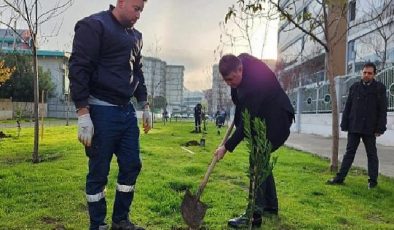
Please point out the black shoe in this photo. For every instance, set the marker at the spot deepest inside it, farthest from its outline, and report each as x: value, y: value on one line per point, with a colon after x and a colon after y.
x: 335, y: 181
x: 125, y: 225
x: 372, y: 184
x: 243, y: 221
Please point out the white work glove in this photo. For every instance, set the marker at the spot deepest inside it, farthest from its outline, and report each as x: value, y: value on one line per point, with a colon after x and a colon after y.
x: 146, y: 120
x: 85, y: 129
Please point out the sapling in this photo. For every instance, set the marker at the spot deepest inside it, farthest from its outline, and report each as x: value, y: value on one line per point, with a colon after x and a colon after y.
x: 260, y: 162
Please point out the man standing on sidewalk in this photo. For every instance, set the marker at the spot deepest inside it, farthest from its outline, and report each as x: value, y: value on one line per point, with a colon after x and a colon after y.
x: 105, y: 72
x: 364, y: 117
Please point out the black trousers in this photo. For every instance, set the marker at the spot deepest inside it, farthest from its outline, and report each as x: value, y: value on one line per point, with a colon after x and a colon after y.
x: 266, y: 197
x: 353, y: 142
x: 197, y: 123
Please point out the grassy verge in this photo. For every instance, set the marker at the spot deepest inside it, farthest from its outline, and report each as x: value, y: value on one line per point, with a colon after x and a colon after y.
x: 50, y: 195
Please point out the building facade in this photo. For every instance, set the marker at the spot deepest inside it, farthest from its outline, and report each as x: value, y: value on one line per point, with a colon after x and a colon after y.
x: 208, y: 97
x: 154, y: 73
x: 191, y: 99
x: 372, y: 41
x: 54, y: 61
x: 14, y: 40
x: 165, y: 81
x: 221, y: 92
x: 174, y: 87
x: 301, y: 61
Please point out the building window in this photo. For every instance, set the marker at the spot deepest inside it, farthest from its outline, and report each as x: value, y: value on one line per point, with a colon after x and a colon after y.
x: 352, y: 10
x: 351, y: 54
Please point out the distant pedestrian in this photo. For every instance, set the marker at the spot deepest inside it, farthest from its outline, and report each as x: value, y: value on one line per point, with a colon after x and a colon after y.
x: 220, y: 118
x: 165, y: 116
x: 364, y: 117
x: 197, y: 118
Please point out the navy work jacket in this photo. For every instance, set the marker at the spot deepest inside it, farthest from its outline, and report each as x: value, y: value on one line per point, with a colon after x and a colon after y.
x: 106, y: 61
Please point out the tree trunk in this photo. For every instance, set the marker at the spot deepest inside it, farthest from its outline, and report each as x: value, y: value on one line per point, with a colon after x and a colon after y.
x: 334, y: 112
x: 384, y: 54
x: 35, y: 157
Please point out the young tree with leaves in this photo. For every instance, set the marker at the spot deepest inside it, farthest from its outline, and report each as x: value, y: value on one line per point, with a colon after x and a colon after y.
x: 260, y: 163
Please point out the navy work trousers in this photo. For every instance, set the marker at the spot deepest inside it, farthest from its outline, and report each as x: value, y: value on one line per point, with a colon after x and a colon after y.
x: 115, y: 132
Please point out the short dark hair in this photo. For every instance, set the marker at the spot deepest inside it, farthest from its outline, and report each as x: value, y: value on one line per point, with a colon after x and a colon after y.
x: 370, y: 65
x: 228, y: 63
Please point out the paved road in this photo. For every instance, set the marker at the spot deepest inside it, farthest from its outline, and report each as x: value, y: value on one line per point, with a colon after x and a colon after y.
x: 321, y: 146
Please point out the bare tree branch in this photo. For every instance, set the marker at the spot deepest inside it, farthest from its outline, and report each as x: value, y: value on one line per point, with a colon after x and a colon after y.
x: 15, y: 9
x: 54, y: 12
x: 291, y: 20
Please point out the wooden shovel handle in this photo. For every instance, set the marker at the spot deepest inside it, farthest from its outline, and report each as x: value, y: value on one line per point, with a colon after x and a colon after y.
x: 213, y: 163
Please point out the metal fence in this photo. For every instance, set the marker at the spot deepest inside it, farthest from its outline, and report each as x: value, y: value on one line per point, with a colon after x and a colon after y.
x: 387, y: 78
x: 316, y: 98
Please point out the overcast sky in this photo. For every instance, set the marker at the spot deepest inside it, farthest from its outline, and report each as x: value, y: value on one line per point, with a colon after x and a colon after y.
x: 185, y: 31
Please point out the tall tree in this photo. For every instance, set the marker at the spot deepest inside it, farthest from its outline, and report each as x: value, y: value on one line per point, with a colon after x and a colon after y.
x: 326, y: 26
x: 20, y: 84
x: 27, y: 12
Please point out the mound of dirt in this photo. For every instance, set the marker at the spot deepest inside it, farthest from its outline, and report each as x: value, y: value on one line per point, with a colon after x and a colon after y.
x: 191, y: 143
x: 3, y: 135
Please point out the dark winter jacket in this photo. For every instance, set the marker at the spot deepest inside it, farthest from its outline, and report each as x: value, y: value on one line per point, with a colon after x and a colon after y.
x: 106, y: 61
x: 198, y: 110
x: 261, y: 94
x: 366, y: 109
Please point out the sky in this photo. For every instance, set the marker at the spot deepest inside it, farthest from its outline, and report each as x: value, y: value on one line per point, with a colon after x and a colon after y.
x: 179, y: 32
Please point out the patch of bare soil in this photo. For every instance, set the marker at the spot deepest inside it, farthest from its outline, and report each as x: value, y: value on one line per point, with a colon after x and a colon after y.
x: 191, y: 143
x: 3, y: 135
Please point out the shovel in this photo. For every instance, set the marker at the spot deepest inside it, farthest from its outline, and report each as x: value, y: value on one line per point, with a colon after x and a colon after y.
x: 192, y: 209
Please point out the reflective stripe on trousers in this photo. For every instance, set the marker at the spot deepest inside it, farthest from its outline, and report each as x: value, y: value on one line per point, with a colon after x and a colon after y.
x: 96, y: 197
x: 125, y: 188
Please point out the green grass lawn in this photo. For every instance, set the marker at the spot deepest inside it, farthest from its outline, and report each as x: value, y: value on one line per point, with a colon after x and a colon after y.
x: 50, y: 195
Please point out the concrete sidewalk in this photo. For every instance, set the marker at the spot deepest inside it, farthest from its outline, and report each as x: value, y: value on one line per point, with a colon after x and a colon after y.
x: 321, y: 146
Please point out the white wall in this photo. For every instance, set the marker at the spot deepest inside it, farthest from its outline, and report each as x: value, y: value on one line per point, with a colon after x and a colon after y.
x: 5, y: 114
x: 320, y: 124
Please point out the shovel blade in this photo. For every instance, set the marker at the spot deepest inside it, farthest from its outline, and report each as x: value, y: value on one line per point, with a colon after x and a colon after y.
x: 193, y: 210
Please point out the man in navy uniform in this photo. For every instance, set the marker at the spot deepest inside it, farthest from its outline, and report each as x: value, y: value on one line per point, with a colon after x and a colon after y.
x: 105, y: 73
